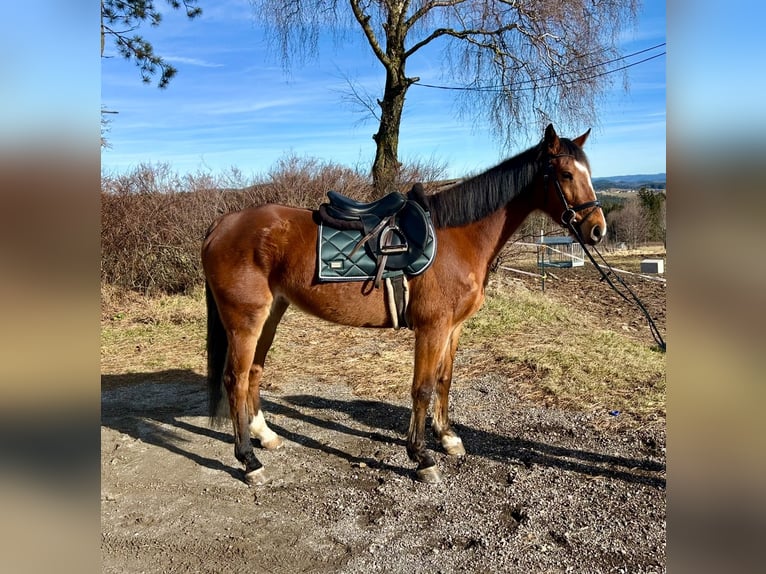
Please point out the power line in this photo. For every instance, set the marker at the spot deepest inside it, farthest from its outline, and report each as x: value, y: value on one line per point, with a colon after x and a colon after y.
x: 558, y: 83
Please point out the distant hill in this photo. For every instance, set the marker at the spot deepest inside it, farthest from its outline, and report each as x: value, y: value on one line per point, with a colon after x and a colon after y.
x: 651, y: 181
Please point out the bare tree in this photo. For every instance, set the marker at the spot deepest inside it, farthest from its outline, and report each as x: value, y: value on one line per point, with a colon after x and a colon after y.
x: 630, y: 224
x: 514, y: 61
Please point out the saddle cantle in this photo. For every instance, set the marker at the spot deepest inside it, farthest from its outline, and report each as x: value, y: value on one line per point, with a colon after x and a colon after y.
x: 385, y: 238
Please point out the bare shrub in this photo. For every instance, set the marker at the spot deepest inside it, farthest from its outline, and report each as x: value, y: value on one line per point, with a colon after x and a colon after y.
x: 153, y: 222
x: 305, y: 181
x: 150, y: 242
x: 427, y: 172
x: 144, y: 179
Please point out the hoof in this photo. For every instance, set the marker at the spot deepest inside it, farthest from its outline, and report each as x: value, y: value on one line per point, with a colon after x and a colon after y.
x: 273, y: 443
x: 430, y: 475
x: 257, y: 477
x: 453, y: 445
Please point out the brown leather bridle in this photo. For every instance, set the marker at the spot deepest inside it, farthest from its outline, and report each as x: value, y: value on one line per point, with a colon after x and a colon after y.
x: 570, y: 211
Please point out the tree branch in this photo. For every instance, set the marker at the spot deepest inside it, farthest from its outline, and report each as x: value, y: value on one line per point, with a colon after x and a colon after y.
x: 130, y: 14
x: 361, y: 99
x: 364, y: 21
x: 462, y: 35
x: 428, y: 7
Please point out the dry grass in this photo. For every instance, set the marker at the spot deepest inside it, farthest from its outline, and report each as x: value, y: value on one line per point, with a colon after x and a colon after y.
x: 556, y: 356
x: 151, y: 334
x: 545, y: 350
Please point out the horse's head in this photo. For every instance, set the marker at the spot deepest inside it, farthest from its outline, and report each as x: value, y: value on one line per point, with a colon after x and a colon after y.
x: 568, y: 194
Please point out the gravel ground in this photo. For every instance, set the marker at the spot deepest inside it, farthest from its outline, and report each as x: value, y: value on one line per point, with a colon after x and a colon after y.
x: 540, y: 490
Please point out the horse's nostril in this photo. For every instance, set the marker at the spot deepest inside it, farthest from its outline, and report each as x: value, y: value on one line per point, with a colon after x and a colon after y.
x: 596, y: 234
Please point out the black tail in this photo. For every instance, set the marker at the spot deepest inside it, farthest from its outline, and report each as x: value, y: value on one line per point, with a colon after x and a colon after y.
x: 217, y: 348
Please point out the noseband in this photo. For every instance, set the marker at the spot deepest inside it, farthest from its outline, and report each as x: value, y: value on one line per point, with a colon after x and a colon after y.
x: 570, y: 211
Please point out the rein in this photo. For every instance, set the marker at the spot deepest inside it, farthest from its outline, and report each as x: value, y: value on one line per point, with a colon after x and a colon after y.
x: 567, y: 218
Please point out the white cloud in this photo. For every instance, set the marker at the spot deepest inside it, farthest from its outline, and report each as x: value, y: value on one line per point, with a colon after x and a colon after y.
x: 192, y: 62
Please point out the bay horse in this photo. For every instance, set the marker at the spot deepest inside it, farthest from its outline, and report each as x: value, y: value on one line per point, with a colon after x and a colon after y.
x: 260, y: 260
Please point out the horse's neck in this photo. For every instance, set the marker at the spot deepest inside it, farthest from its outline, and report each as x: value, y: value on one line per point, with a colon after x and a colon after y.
x: 490, y: 234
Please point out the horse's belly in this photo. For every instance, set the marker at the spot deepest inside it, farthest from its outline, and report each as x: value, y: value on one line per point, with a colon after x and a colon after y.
x: 355, y: 304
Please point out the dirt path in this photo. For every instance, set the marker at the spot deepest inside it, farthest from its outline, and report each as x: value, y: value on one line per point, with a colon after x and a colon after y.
x: 540, y: 490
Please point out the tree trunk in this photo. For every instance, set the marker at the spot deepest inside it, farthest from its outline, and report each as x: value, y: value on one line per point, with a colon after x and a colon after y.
x: 385, y: 169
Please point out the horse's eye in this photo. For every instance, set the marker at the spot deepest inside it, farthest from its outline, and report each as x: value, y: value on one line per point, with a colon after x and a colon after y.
x: 567, y: 175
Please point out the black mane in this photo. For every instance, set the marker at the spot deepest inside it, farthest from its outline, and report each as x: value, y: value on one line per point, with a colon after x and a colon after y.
x: 483, y: 194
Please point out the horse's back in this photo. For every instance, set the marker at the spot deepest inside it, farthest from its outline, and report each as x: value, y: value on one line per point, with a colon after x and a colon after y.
x: 254, y: 222
x: 259, y: 234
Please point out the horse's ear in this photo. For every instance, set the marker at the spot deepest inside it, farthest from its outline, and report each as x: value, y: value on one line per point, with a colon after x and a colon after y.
x: 579, y: 142
x: 552, y: 140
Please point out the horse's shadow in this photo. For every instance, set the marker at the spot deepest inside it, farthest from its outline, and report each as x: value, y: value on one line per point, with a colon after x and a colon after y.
x: 478, y: 442
x: 150, y: 405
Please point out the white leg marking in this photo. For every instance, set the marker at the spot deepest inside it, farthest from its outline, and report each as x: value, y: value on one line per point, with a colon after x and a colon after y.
x: 451, y: 443
x: 260, y: 430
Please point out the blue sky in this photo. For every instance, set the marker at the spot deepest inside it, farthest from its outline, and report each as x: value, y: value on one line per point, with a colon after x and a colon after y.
x: 232, y: 105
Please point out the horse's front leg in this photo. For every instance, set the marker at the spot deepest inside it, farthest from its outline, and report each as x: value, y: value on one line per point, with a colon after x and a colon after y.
x: 450, y: 441
x: 430, y: 348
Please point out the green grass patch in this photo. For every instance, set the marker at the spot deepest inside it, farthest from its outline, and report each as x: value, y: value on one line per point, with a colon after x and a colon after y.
x: 515, y: 310
x: 152, y: 348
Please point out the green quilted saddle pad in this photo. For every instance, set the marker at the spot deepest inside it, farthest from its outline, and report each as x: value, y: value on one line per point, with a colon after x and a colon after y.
x: 335, y: 264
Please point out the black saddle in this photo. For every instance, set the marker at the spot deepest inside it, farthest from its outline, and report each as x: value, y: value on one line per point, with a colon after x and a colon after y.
x: 394, y: 228
x: 347, y: 208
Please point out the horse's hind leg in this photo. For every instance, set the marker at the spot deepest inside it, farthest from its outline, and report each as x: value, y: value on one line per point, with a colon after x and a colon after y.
x: 450, y: 441
x: 244, y: 330
x: 258, y: 427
